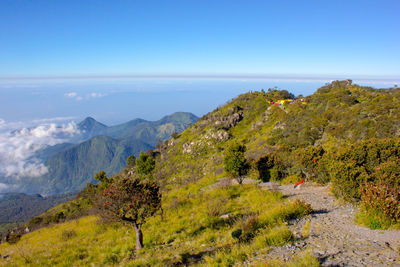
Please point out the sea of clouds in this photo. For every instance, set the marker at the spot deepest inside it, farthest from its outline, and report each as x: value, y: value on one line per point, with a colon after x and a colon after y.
x: 19, y: 142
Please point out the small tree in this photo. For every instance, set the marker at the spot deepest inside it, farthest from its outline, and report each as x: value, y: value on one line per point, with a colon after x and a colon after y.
x: 308, y: 159
x: 145, y: 164
x: 104, y: 181
x: 235, y: 162
x: 130, y: 161
x: 101, y: 176
x: 132, y: 201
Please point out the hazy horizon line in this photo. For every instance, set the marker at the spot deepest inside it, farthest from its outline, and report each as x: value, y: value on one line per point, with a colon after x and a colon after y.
x: 365, y: 78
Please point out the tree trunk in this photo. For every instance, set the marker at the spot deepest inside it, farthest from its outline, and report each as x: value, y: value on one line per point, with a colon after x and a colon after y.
x: 139, y: 236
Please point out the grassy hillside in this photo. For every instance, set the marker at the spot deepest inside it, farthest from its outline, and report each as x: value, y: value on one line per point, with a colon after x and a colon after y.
x: 191, y: 230
x: 318, y: 138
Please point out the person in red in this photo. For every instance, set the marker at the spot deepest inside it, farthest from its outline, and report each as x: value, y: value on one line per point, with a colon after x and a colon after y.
x: 299, y: 184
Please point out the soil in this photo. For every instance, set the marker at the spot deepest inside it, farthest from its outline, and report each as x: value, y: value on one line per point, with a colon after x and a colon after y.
x: 334, y: 239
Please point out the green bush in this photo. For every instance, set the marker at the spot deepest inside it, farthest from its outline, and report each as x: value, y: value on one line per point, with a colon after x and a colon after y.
x: 271, y: 167
x: 367, y: 161
x: 279, y: 237
x: 346, y: 180
x: 235, y: 161
x: 308, y: 159
x: 13, y: 238
x: 381, y: 198
x: 145, y: 164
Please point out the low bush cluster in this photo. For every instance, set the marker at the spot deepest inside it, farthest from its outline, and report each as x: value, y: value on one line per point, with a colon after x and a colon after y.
x: 367, y: 161
x: 381, y: 199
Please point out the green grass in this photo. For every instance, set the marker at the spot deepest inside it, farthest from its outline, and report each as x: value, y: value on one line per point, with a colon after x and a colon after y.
x: 191, y: 230
x: 198, y: 221
x: 375, y: 220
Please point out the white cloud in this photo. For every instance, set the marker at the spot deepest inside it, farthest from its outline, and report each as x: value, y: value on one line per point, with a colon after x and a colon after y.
x: 77, y: 97
x: 18, y: 147
x: 55, y: 119
x: 96, y: 95
x: 70, y: 95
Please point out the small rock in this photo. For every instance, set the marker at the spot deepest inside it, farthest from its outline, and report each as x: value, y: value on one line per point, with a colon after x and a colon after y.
x: 225, y: 216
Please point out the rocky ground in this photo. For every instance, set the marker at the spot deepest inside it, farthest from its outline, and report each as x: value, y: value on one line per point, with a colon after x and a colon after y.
x: 333, y: 237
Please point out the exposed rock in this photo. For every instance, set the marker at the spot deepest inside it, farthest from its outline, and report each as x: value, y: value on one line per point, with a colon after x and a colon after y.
x: 333, y: 84
x: 203, y: 123
x: 187, y: 148
x: 171, y: 142
x: 229, y: 121
x: 219, y: 136
x: 257, y: 124
x: 225, y: 216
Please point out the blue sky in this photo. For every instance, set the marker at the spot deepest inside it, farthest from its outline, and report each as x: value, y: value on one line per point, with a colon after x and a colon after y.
x: 66, y: 58
x: 317, y: 38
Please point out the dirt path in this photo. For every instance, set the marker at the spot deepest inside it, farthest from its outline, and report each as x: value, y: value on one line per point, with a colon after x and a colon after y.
x: 334, y: 238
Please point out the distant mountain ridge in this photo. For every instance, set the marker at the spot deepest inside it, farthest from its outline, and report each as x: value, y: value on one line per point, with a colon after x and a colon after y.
x: 147, y: 131
x: 19, y: 207
x: 71, y: 166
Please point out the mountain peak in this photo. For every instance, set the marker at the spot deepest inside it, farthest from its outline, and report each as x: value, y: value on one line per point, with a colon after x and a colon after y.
x: 88, y: 120
x: 90, y: 125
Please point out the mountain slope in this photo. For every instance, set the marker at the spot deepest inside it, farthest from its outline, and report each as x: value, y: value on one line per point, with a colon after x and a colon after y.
x: 146, y: 131
x: 207, y: 220
x: 90, y: 127
x: 72, y: 166
x: 50, y: 151
x: 150, y: 131
x: 71, y: 169
x: 18, y: 207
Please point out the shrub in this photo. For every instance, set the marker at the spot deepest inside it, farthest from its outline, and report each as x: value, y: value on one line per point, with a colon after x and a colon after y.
x: 271, y: 167
x: 236, y: 234
x: 387, y: 173
x: 279, y: 237
x: 372, y: 219
x: 381, y: 198
x: 145, y: 164
x: 216, y: 206
x: 304, y: 260
x: 249, y: 226
x: 366, y: 161
x: 13, y: 238
x: 68, y: 234
x: 291, y: 179
x: 235, y: 162
x: 130, y: 161
x: 306, y: 229
x: 308, y: 159
x: 346, y: 180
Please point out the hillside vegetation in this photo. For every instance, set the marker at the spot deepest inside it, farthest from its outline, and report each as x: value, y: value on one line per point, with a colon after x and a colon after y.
x: 72, y: 166
x: 344, y: 134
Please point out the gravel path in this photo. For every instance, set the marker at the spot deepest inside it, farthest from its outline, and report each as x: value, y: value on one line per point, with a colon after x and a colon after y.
x: 333, y: 237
